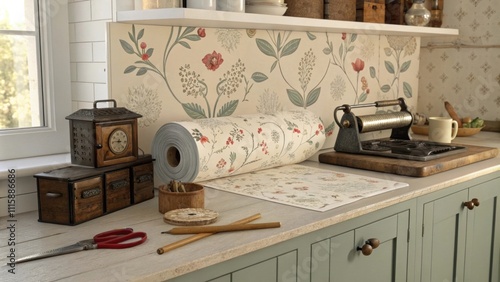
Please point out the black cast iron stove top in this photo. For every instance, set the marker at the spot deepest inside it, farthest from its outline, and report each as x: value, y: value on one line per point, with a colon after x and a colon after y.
x: 419, y: 150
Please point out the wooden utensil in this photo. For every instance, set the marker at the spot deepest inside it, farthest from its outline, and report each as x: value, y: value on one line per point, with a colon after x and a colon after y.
x: 222, y: 228
x: 200, y: 236
x: 452, y: 113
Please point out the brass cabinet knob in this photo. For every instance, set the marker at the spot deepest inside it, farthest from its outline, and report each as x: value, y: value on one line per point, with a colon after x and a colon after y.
x: 472, y: 203
x: 369, y: 246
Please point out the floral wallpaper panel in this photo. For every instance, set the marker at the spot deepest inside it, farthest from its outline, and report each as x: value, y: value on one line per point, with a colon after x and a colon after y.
x: 175, y: 73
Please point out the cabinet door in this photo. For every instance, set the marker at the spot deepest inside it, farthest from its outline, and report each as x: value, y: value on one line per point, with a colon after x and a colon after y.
x: 482, y: 254
x: 274, y: 269
x: 281, y: 268
x: 340, y: 259
x: 443, y: 242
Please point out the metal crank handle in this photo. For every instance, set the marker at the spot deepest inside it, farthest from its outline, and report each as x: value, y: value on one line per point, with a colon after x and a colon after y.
x: 385, y: 103
x: 378, y: 104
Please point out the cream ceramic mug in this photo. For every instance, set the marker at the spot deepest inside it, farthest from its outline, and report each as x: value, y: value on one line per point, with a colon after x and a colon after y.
x: 442, y: 129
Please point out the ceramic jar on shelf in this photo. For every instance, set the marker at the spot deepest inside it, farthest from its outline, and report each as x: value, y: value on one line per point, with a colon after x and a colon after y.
x: 231, y: 5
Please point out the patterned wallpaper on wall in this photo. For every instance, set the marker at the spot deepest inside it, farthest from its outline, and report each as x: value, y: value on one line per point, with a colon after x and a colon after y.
x: 169, y: 73
x: 466, y: 70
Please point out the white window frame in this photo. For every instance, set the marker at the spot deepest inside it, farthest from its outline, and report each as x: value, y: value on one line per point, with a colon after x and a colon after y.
x: 53, y: 137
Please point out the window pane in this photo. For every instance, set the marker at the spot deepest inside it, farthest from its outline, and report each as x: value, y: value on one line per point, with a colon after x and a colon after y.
x: 19, y: 14
x: 20, y: 91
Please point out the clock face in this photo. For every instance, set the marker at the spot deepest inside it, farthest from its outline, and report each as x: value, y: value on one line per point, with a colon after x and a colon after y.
x: 118, y: 141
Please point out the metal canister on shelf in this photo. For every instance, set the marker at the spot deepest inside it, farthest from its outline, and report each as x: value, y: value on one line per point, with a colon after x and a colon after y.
x: 157, y: 4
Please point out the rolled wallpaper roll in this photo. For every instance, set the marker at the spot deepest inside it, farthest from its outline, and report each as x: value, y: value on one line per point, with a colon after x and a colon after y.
x: 211, y: 148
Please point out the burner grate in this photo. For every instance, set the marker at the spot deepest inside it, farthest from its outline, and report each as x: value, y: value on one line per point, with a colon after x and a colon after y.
x: 409, y: 149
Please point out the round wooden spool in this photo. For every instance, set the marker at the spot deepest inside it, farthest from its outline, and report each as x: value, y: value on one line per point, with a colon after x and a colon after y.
x: 190, y: 217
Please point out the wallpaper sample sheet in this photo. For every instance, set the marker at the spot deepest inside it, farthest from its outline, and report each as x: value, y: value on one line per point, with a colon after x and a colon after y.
x: 305, y: 187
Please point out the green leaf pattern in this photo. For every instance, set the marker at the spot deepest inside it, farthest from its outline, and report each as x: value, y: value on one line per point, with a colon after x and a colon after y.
x: 192, y: 83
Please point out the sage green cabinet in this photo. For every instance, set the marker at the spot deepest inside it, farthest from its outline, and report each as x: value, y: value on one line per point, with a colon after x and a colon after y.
x: 329, y: 254
x: 340, y: 258
x: 460, y: 234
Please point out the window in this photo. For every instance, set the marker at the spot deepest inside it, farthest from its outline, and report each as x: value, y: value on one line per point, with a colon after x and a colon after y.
x: 35, y: 87
x: 19, y: 68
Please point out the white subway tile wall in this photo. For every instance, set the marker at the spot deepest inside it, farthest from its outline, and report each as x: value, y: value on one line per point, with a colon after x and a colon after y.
x: 81, y: 52
x: 87, y: 28
x: 101, y: 9
x: 82, y: 91
x: 79, y: 12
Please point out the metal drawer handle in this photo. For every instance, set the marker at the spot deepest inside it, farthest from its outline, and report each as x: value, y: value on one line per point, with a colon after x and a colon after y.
x: 118, y: 184
x: 369, y: 246
x: 144, y: 178
x: 471, y: 204
x: 91, y: 192
x: 53, y: 195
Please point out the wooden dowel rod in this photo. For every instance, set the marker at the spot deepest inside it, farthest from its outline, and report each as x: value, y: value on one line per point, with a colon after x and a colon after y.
x: 200, y: 236
x: 222, y: 228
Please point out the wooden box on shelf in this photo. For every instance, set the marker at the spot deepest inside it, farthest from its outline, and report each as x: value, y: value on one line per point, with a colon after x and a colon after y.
x: 372, y: 11
x: 341, y: 10
x: 380, y: 11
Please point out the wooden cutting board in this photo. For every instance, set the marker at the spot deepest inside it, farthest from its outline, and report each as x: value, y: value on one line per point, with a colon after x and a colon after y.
x: 408, y: 167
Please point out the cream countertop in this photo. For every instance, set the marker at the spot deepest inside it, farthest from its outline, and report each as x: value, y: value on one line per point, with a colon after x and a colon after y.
x: 142, y: 263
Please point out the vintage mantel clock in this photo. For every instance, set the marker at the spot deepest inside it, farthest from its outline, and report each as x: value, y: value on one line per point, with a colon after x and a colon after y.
x: 103, y: 136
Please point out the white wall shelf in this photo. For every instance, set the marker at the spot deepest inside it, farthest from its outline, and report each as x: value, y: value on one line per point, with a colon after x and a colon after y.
x: 219, y: 19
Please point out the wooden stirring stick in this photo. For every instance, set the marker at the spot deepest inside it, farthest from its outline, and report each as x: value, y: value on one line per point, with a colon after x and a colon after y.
x: 222, y: 228
x: 200, y: 236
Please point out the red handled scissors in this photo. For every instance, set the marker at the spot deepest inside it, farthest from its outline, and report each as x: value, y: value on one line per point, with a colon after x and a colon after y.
x: 113, y: 239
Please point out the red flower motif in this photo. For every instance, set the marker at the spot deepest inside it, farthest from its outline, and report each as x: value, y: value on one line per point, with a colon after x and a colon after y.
x: 221, y: 163
x: 213, y: 61
x: 358, y: 65
x: 317, y: 132
x: 320, y: 126
x: 201, y: 32
x: 259, y: 130
x: 143, y: 45
x: 344, y: 35
x: 229, y: 141
x: 296, y: 130
x: 145, y: 57
x: 204, y: 139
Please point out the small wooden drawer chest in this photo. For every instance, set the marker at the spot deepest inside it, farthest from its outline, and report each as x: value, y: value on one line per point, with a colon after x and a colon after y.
x: 75, y: 194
